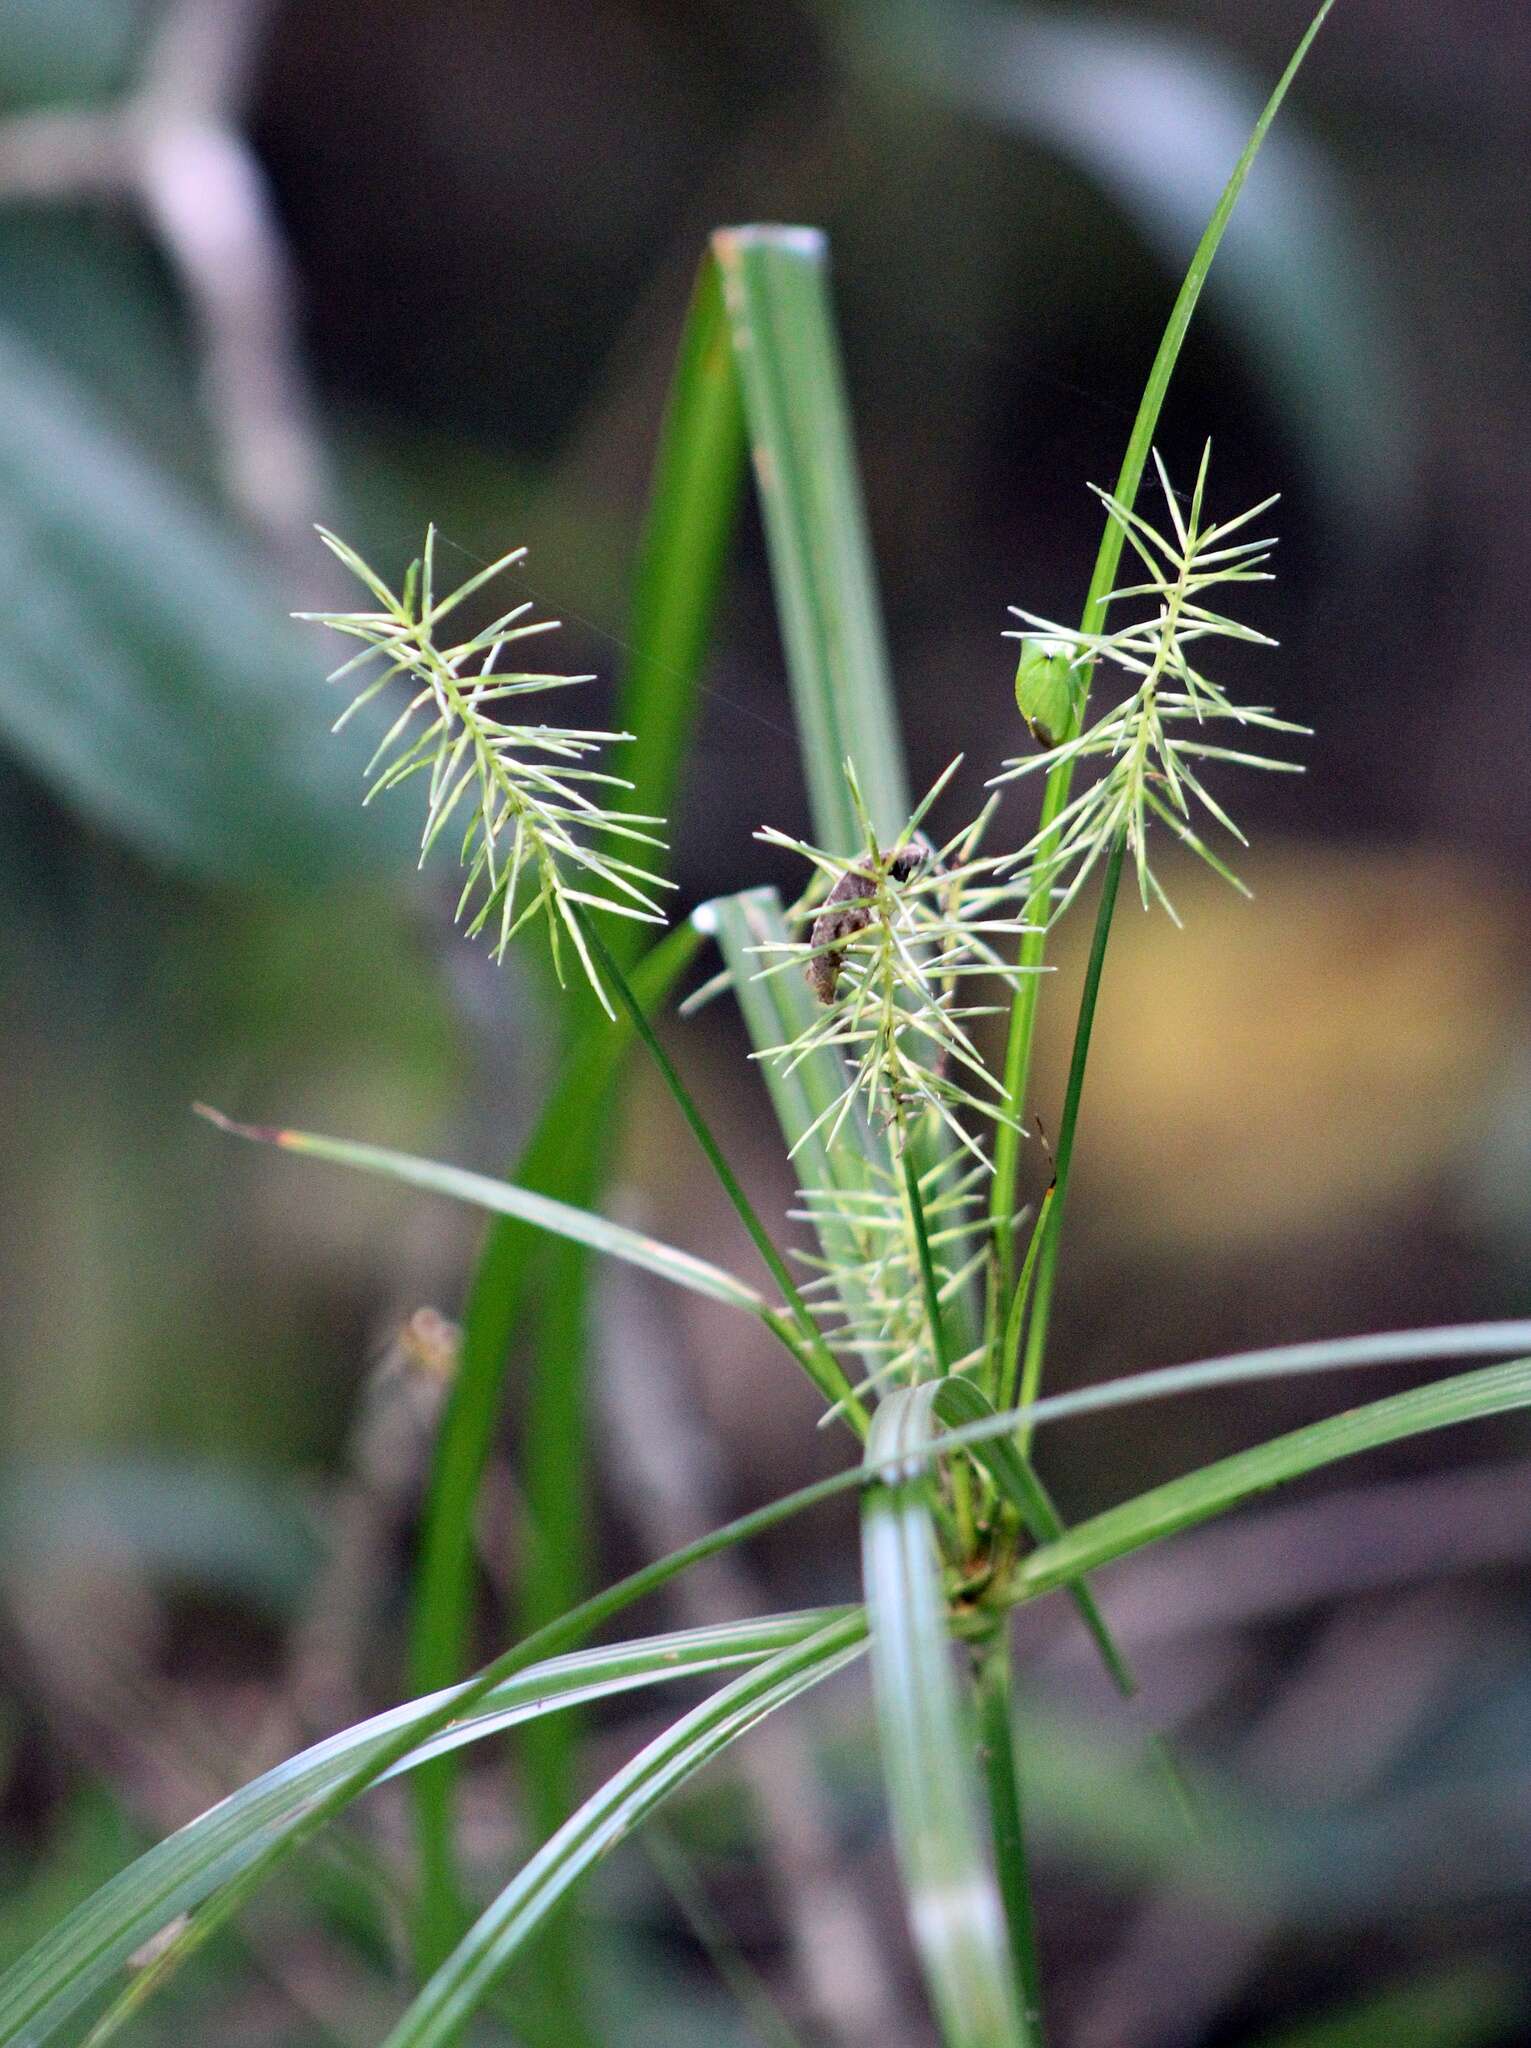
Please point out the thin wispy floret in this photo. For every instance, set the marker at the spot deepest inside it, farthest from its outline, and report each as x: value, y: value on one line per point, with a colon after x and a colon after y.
x: 533, y: 818
x: 1154, y: 741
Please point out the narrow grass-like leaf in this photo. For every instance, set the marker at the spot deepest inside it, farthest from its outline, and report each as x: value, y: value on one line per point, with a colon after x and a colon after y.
x: 698, y: 481
x: 78, y: 1955
x: 634, y: 1247
x: 43, y: 1982
x: 1289, y: 1361
x: 621, y: 1805
x: 929, y: 1287
x: 776, y: 291
x: 1009, y: 1325
x: 1183, y: 1503
x: 1056, y: 795
x: 556, y: 1562
x: 954, y: 1906
x: 1152, y: 115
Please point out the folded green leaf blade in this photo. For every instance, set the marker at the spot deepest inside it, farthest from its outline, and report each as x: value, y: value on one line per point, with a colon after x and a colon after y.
x: 621, y: 1805
x: 776, y: 291
x: 61, y: 1971
x: 927, y: 1746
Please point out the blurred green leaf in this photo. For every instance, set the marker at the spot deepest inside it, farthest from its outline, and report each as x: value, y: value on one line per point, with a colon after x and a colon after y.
x: 146, y: 670
x: 56, y: 51
x: 560, y: 1158
x: 677, y: 578
x: 683, y: 555
x: 94, y: 304
x: 86, y: 1847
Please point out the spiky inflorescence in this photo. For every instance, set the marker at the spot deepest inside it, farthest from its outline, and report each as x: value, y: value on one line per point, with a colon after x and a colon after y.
x: 868, y: 1286
x: 896, y: 939
x: 1152, y: 741
x: 532, y: 814
x: 903, y: 933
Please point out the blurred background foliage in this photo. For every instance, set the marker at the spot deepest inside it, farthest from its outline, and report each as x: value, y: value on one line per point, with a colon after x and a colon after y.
x: 377, y: 264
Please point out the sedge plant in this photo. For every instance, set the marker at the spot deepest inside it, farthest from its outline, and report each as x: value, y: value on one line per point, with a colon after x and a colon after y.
x: 891, y: 1011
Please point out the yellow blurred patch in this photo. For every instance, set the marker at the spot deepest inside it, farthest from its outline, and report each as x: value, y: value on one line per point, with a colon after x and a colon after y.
x: 1313, y: 1056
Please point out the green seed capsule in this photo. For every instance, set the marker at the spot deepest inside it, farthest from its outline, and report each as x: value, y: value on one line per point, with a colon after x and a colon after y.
x: 1043, y: 690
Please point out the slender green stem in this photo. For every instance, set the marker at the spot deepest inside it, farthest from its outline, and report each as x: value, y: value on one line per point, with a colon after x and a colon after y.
x: 961, y: 1473
x: 820, y: 1362
x: 1047, y: 1262
x: 996, y: 1736
x: 1007, y: 1379
x: 927, y: 1263
x: 1023, y: 1008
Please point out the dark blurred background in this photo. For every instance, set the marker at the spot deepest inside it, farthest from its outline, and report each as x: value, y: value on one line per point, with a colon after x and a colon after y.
x: 376, y: 264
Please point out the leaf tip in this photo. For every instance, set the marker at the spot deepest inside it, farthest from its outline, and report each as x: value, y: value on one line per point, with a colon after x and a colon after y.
x: 260, y: 1134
